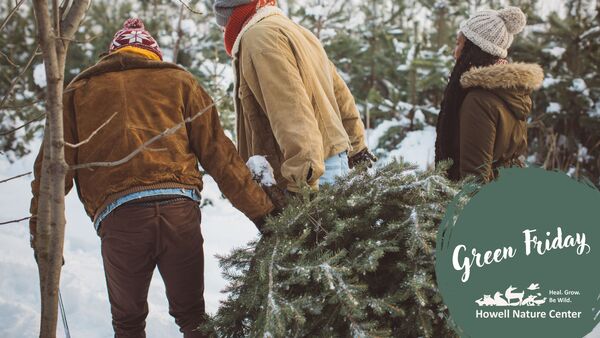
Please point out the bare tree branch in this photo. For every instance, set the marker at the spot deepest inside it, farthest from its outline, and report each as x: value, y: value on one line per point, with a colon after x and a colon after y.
x: 73, y: 17
x: 37, y: 118
x: 15, y: 221
x: 157, y: 149
x: 16, y: 79
x: 190, y: 8
x: 15, y: 177
x: 78, y: 41
x: 145, y: 145
x: 9, y: 60
x: 179, y: 34
x: 70, y: 145
x: 24, y: 105
x: 12, y: 12
x: 64, y: 5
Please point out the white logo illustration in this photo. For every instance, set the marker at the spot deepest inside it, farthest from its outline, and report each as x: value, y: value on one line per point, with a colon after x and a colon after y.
x: 512, y: 298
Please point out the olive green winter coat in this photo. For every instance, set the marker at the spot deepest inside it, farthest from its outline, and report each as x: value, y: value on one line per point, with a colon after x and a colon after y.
x: 493, y: 117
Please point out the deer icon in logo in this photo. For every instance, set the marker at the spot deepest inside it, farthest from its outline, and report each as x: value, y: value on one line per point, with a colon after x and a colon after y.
x: 510, y: 295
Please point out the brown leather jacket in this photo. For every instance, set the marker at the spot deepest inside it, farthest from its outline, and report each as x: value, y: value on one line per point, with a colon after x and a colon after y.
x: 148, y: 97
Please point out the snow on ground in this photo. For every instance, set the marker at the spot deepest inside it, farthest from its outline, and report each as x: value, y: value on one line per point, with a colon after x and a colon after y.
x: 418, y: 147
x: 82, y: 284
x: 374, y: 135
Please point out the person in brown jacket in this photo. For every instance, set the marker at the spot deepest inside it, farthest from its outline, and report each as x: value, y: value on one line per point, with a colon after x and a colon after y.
x: 146, y: 210
x: 483, y: 121
x: 292, y: 105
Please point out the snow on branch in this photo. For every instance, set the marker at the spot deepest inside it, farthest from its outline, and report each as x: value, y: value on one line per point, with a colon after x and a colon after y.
x: 261, y: 170
x: 271, y: 305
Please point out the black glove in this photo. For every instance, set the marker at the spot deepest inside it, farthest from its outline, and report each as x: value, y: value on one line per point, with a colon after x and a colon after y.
x: 279, y: 198
x: 364, y: 157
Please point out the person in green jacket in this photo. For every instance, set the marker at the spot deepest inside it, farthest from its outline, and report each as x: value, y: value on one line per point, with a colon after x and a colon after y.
x: 482, y: 123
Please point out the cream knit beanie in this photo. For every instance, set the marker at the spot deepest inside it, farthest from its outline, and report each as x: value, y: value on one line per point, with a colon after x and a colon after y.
x: 493, y: 31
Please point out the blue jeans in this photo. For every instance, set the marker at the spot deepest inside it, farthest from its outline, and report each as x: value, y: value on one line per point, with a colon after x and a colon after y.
x: 335, y: 166
x: 191, y: 194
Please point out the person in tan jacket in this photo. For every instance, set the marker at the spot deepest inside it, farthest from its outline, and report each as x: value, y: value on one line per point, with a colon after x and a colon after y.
x: 292, y: 106
x: 146, y: 210
x: 482, y: 125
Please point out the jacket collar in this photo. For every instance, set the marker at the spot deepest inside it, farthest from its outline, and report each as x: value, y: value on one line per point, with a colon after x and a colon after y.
x: 508, y: 76
x: 261, y: 13
x: 116, y: 62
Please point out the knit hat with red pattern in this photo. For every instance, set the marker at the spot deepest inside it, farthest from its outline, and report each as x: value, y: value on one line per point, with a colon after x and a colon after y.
x: 133, y: 34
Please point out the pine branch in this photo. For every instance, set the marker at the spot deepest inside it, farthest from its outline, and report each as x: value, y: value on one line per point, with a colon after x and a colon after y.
x: 271, y: 305
x: 359, y: 278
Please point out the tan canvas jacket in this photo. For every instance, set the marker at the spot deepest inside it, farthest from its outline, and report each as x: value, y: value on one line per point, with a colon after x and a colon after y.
x: 292, y: 105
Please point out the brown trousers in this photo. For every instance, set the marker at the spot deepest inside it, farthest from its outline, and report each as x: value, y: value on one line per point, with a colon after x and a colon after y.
x: 138, y: 237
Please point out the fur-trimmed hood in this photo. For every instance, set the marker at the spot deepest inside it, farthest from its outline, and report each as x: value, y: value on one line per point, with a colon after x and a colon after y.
x: 513, y: 75
x: 513, y: 83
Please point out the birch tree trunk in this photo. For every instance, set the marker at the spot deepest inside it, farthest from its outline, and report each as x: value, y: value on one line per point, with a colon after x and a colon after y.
x: 54, y: 34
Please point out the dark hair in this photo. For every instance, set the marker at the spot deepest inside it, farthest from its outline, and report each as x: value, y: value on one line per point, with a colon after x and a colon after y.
x: 447, y: 144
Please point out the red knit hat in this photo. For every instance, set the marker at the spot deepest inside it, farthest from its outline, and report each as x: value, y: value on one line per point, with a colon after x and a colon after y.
x: 134, y: 34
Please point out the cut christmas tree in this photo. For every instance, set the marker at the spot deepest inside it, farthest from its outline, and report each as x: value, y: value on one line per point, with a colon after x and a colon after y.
x: 354, y: 260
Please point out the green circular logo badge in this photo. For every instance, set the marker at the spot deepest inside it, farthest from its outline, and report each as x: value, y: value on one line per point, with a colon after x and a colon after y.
x: 520, y: 257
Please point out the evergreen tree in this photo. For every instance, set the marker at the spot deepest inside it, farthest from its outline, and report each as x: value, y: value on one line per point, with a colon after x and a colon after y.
x: 355, y: 259
x: 565, y: 126
x: 20, y: 98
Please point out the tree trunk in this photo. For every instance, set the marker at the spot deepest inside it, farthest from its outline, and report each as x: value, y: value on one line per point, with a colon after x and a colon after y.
x: 179, y: 35
x: 53, y: 37
x: 52, y: 220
